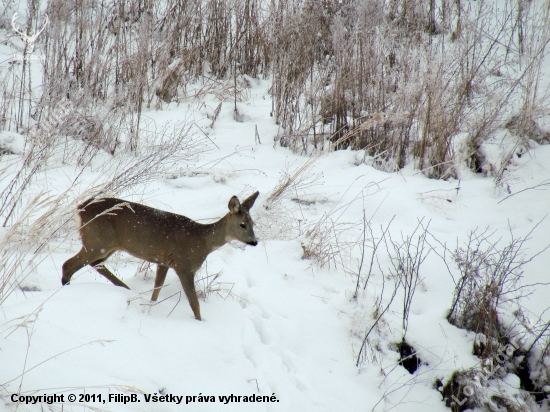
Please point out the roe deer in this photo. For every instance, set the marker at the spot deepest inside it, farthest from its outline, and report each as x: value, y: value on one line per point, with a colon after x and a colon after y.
x: 167, y: 239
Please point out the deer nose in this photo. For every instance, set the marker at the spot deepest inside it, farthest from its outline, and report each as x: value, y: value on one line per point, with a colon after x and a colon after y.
x: 254, y: 243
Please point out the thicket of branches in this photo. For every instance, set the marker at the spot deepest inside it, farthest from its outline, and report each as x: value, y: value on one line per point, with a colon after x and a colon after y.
x: 406, y: 76
x: 425, y: 70
x: 487, y: 301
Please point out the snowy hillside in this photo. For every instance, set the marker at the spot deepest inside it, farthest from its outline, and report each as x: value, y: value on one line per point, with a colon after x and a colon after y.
x: 353, y: 261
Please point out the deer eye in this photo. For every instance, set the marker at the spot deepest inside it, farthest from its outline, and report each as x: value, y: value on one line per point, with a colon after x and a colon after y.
x: 243, y: 225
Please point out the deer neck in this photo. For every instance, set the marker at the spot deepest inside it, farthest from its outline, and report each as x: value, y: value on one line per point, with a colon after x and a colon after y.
x: 217, y: 233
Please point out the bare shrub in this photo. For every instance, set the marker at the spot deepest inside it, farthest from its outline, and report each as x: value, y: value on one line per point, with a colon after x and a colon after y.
x: 408, y: 255
x: 442, y: 68
x: 381, y: 307
x: 405, y: 259
x: 533, y: 37
x: 367, y: 231
x: 489, y: 286
x: 362, y: 58
x: 489, y: 275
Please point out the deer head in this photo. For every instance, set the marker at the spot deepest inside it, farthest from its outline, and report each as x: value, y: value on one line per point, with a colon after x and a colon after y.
x: 240, y: 224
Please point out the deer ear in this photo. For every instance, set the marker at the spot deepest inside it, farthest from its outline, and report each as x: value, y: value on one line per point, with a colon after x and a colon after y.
x: 234, y: 205
x: 248, y: 203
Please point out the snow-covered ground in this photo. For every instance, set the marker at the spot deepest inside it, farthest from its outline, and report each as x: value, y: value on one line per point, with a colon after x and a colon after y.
x: 278, y: 325
x: 275, y: 325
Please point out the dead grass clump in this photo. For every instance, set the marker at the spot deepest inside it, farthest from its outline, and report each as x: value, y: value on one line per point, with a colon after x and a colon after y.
x: 489, y: 275
x: 328, y: 242
x: 455, y: 390
x: 209, y: 285
x: 370, y: 58
x: 449, y: 68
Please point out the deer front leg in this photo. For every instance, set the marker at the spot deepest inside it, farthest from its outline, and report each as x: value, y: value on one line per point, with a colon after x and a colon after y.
x: 159, y: 281
x: 187, y: 280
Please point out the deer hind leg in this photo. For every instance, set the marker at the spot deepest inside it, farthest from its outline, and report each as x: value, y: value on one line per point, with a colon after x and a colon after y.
x: 98, y: 265
x: 159, y: 281
x: 187, y: 280
x: 93, y: 258
x: 75, y: 263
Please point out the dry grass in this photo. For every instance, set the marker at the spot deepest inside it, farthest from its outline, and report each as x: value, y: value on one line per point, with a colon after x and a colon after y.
x: 432, y: 70
x: 38, y: 223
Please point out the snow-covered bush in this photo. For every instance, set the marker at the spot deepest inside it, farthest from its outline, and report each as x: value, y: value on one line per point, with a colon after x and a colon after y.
x: 429, y: 70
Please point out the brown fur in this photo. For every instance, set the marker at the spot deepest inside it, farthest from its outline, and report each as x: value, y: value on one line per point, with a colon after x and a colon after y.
x: 167, y: 239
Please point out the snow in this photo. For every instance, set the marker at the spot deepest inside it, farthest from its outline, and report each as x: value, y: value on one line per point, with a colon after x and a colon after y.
x: 11, y: 143
x: 279, y: 324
